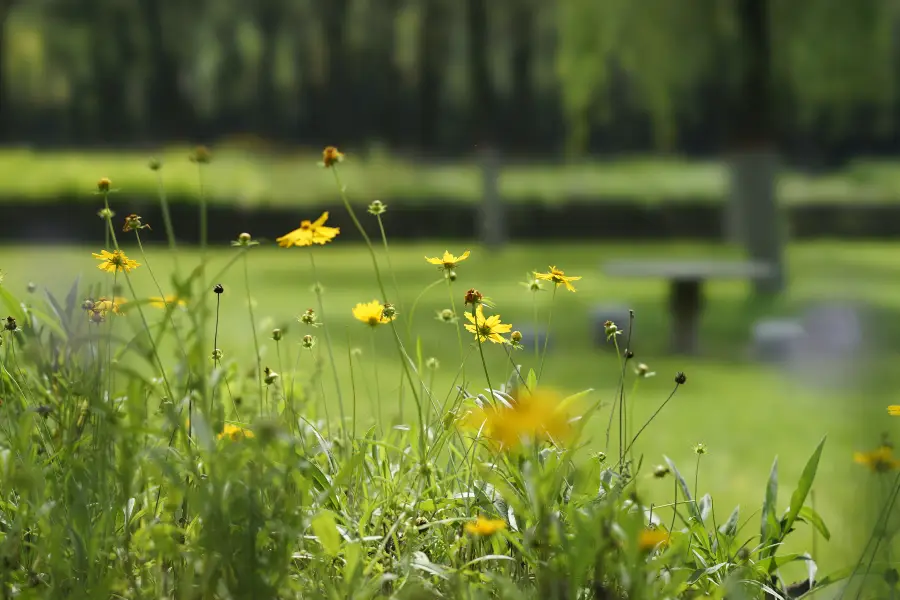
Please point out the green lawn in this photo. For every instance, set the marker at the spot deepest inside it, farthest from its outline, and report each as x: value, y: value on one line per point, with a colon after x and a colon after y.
x: 259, y: 176
x: 745, y: 413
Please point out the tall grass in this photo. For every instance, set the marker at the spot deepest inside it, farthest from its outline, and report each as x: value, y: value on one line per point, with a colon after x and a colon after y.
x: 139, y: 459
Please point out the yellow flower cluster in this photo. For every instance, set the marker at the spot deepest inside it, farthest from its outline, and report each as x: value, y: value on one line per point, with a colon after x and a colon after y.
x: 534, y: 416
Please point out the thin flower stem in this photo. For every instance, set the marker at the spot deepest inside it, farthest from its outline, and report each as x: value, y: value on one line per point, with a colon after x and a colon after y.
x: 378, y: 406
x: 253, y: 329
x: 480, y: 343
x: 325, y: 399
x: 387, y: 255
x: 353, y: 378
x: 547, y: 334
x: 458, y: 328
x: 697, y: 480
x: 167, y: 217
x: 169, y: 308
x: 281, y: 371
x: 337, y: 380
x: 650, y: 420
x: 534, y: 306
x: 368, y: 241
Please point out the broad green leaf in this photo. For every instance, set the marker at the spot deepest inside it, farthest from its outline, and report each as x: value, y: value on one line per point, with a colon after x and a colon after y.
x: 798, y: 498
x: 325, y: 529
x: 810, y: 516
x: 352, y: 555
x: 768, y: 507
x: 685, y: 490
x: 570, y: 400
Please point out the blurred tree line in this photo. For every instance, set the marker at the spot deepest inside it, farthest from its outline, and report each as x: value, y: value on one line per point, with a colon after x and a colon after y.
x: 443, y: 76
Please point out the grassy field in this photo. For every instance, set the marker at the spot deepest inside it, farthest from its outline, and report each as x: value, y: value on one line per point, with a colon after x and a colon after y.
x: 259, y: 176
x: 745, y: 413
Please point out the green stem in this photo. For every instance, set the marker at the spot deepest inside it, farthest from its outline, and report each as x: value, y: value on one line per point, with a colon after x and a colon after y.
x: 378, y: 406
x: 387, y: 255
x: 337, y: 379
x: 399, y: 343
x: 167, y: 217
x: 253, y: 330
x: 534, y: 306
x: 458, y: 329
x: 547, y: 334
x: 480, y: 343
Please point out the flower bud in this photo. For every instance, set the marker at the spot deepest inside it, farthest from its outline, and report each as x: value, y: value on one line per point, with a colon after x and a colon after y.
x: 377, y: 207
x: 308, y: 341
x: 270, y: 376
x: 516, y: 337
x: 244, y: 237
x: 276, y: 335
x: 103, y: 184
x: 389, y: 311
x: 217, y: 354
x: 155, y: 164
x: 218, y: 288
x: 680, y: 378
x: 32, y: 287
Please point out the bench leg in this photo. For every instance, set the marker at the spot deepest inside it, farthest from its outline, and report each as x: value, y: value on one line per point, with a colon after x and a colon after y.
x: 685, y: 303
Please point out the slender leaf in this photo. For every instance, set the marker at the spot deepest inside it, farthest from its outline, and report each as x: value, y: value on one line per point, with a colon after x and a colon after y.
x: 798, y: 498
x: 810, y: 516
x: 768, y: 508
x: 729, y: 529
x: 705, y: 507
x: 685, y: 490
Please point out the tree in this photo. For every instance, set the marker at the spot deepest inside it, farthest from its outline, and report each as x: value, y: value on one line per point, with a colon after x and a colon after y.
x: 669, y: 48
x: 5, y: 9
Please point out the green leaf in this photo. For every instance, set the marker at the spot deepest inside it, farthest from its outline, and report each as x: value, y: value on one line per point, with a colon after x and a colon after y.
x: 729, y: 529
x: 803, y: 487
x: 685, y: 490
x: 531, y: 380
x: 352, y: 555
x: 13, y: 305
x: 705, y: 507
x: 325, y: 529
x: 768, y: 508
x: 810, y: 516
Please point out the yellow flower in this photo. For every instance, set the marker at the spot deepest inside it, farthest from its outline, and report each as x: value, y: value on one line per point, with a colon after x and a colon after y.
x: 309, y: 233
x: 487, y: 328
x: 879, y: 461
x: 158, y: 302
x: 372, y: 313
x: 532, y: 416
x: 115, y: 261
x: 651, y: 538
x: 104, y: 305
x: 448, y: 261
x: 894, y: 410
x: 485, y: 527
x: 558, y: 277
x: 331, y: 156
x: 234, y: 433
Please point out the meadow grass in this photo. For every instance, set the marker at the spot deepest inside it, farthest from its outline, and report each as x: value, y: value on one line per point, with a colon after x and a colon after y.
x: 260, y: 175
x: 745, y: 413
x: 217, y: 445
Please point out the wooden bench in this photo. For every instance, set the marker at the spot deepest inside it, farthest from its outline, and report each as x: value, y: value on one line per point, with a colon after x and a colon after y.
x: 686, y: 282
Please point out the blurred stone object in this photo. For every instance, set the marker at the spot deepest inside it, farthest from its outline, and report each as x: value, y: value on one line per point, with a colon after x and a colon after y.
x: 777, y: 340
x: 492, y: 220
x: 618, y: 314
x: 834, y: 349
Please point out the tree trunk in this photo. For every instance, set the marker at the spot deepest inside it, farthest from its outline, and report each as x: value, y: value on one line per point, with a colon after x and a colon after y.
x: 5, y: 108
x: 433, y: 46
x: 170, y: 112
x: 521, y: 103
x: 481, y: 89
x: 753, y: 147
x: 268, y: 18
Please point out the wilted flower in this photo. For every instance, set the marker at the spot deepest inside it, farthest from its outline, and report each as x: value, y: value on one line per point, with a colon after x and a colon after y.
x: 331, y: 156
x: 473, y: 297
x: 309, y: 318
x: 270, y: 376
x: 133, y: 222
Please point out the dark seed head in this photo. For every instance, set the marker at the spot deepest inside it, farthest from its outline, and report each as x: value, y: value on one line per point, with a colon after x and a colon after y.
x: 218, y: 289
x: 680, y: 378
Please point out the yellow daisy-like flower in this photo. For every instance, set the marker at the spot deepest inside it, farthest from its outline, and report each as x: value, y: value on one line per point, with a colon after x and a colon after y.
x: 894, y: 410
x: 879, y: 461
x: 309, y: 233
x: 115, y: 261
x: 558, y: 277
x: 105, y: 305
x: 484, y: 527
x: 487, y: 328
x: 531, y: 417
x: 651, y: 538
x: 234, y: 433
x: 372, y: 313
x: 448, y: 261
x: 161, y: 302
